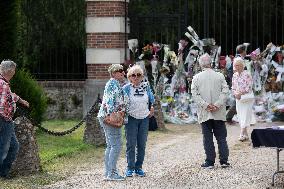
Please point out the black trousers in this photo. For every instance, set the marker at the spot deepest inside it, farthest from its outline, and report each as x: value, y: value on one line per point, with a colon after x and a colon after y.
x: 218, y: 128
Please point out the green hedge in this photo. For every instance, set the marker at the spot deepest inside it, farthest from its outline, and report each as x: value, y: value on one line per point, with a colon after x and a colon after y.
x: 28, y: 89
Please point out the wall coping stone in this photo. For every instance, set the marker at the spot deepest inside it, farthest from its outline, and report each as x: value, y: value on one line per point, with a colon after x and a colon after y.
x: 62, y: 84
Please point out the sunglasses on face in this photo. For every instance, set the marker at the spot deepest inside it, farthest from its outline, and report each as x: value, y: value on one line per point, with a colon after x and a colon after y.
x: 120, y: 71
x: 136, y: 75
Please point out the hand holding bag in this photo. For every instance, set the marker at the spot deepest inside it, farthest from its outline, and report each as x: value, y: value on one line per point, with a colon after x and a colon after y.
x: 248, y: 97
x: 115, y: 119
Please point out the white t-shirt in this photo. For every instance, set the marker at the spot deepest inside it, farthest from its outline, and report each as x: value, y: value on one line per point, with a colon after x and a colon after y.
x: 139, y: 101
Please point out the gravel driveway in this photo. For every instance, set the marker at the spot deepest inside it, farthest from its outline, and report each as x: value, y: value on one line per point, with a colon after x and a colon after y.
x: 173, y: 160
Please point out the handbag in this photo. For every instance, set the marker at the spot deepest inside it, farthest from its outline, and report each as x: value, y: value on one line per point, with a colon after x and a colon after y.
x: 248, y: 97
x: 115, y: 119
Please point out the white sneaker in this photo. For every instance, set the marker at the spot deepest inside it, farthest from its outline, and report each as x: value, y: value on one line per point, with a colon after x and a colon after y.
x: 246, y: 137
x: 115, y: 177
x: 242, y: 138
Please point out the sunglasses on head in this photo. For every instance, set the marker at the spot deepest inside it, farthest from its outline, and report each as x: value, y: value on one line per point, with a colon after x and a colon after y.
x: 136, y: 75
x: 120, y: 71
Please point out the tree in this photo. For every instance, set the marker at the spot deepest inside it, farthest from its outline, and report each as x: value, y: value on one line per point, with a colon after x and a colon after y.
x: 11, y: 46
x: 8, y: 24
x: 53, y: 36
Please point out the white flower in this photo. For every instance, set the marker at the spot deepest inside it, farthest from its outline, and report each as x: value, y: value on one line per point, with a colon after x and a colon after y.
x: 166, y: 52
x: 133, y: 44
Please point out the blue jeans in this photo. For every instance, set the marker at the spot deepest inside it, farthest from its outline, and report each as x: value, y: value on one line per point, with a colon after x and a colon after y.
x: 218, y: 128
x: 9, y: 146
x: 114, y: 144
x: 136, y: 131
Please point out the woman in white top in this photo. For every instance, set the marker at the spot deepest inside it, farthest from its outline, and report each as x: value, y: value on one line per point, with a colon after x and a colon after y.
x: 242, y: 84
x: 139, y: 98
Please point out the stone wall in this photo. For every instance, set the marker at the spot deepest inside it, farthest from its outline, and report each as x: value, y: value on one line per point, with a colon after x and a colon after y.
x: 65, y: 99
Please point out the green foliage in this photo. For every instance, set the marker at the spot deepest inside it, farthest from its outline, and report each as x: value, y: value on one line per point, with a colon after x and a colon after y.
x: 59, y: 156
x: 50, y: 101
x: 49, y: 26
x: 75, y: 100
x: 52, y: 147
x: 44, y: 36
x: 61, y: 22
x: 27, y: 88
x: 62, y: 107
x: 12, y: 44
x: 8, y: 23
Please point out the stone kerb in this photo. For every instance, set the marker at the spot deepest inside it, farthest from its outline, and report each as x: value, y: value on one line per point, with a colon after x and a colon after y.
x: 28, y: 160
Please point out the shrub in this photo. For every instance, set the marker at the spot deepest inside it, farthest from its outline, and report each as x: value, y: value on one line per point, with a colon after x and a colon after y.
x: 25, y: 86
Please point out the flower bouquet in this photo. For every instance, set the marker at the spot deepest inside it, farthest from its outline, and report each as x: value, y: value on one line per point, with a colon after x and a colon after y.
x: 173, y: 57
x: 147, y: 52
x: 278, y: 114
x: 132, y: 45
x: 156, y: 48
x: 166, y: 52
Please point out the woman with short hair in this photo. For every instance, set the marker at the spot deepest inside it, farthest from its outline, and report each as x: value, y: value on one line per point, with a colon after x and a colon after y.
x: 241, y: 85
x: 139, y: 98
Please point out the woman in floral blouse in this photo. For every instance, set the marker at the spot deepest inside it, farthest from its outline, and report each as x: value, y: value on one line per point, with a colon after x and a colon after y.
x: 113, y: 101
x: 242, y: 84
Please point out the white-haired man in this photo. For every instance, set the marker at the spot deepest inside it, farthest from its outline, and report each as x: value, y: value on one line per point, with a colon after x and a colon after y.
x: 209, y: 91
x: 9, y: 145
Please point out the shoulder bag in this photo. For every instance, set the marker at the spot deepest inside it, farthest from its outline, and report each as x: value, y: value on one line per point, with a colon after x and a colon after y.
x: 248, y: 97
x: 115, y: 119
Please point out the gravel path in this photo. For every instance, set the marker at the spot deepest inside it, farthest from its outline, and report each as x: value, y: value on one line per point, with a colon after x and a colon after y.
x: 173, y: 161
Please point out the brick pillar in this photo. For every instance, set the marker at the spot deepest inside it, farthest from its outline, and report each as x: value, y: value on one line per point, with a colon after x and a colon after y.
x: 106, y: 38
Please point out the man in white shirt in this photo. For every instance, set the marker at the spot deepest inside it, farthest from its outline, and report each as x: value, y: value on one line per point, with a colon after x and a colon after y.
x: 209, y: 91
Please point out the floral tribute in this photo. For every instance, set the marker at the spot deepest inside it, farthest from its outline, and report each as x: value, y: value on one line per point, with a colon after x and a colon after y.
x: 170, y: 73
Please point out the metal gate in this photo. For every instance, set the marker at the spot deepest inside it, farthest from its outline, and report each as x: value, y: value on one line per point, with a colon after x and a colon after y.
x: 54, y: 39
x: 230, y: 22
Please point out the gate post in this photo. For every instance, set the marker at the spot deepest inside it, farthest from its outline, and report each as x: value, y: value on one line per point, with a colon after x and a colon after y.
x: 106, y: 40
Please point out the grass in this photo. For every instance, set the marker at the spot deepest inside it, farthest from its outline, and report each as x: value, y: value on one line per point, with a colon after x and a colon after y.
x: 60, y: 156
x: 52, y: 147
